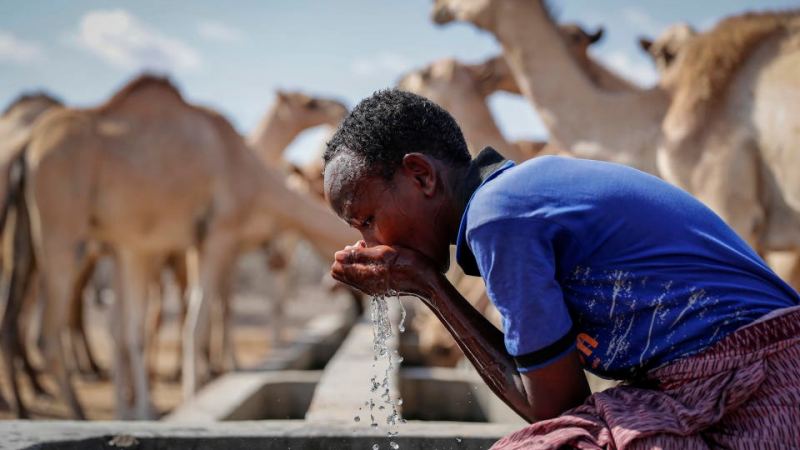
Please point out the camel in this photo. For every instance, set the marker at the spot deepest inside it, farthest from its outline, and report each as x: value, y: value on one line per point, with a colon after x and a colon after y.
x: 152, y: 176
x: 463, y: 89
x: 669, y: 52
x: 16, y: 122
x: 689, y: 128
x: 666, y: 48
x: 292, y: 113
x: 582, y: 117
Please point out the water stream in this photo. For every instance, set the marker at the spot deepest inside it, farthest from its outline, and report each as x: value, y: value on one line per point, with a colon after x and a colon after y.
x: 380, y: 401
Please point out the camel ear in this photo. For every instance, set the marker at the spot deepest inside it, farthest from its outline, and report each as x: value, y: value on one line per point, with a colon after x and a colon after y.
x: 645, y: 44
x: 296, y: 170
x: 593, y: 38
x: 310, y: 102
x: 282, y: 95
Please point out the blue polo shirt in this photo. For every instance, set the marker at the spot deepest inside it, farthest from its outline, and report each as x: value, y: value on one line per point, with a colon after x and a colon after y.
x: 630, y: 269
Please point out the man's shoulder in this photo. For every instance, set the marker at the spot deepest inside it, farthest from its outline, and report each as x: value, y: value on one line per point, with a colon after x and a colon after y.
x: 517, y: 190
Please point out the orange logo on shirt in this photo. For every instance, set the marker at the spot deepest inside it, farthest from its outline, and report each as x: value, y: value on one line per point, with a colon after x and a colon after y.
x: 586, y: 344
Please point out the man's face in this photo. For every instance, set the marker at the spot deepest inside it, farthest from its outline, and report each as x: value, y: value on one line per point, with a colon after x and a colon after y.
x: 407, y: 210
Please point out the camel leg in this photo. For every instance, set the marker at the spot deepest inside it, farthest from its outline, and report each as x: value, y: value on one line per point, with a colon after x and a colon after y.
x: 229, y: 361
x: 29, y: 317
x: 84, y: 357
x: 61, y: 271
x: 155, y: 319
x: 121, y: 371
x: 21, y: 274
x: 180, y: 272
x: 218, y: 254
x: 278, y: 306
x: 136, y: 271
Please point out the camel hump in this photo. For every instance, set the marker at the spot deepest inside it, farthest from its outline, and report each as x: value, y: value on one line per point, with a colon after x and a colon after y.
x: 144, y: 82
x: 27, y: 98
x: 709, y: 63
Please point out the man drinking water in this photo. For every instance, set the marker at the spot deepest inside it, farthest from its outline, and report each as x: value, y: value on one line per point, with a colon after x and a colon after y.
x: 592, y: 266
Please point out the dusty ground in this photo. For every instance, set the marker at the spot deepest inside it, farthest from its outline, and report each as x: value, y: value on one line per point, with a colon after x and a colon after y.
x: 252, y: 336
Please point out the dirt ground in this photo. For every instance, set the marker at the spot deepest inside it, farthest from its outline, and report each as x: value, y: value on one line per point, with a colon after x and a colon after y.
x: 252, y: 336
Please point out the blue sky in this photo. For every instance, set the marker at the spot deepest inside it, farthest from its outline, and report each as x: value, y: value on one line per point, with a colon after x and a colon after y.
x: 233, y: 55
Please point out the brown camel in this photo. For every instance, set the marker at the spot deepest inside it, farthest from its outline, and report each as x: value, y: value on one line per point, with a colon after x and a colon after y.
x: 153, y: 176
x: 693, y: 120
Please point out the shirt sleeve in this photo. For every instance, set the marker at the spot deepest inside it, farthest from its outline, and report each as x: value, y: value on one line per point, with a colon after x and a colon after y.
x: 517, y: 260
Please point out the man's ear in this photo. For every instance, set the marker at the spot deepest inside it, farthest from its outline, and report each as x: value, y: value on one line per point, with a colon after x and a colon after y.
x: 421, y: 170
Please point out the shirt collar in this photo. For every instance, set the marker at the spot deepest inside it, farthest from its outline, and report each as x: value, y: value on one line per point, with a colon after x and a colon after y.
x: 490, y: 164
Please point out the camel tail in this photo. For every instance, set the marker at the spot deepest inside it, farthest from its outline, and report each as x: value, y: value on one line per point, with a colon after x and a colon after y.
x: 15, y: 188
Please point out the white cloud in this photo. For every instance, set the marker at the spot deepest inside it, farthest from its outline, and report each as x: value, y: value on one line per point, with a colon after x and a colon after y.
x: 637, y: 70
x: 219, y: 32
x: 384, y: 63
x: 124, y: 41
x: 16, y: 50
x: 642, y: 21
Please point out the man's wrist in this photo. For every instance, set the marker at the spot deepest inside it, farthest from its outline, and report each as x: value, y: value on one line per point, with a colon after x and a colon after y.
x: 432, y: 288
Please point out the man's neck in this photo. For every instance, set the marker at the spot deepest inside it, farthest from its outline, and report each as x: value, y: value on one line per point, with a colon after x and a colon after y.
x: 480, y: 168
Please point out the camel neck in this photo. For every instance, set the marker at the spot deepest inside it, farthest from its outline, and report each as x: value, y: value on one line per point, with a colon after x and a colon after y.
x: 581, y: 116
x: 272, y: 137
x: 479, y: 127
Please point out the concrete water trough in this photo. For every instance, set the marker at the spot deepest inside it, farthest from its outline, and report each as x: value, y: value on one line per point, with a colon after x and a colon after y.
x: 286, y: 406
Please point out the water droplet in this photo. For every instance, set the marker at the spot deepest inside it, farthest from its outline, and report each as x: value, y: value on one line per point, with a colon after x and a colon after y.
x: 356, y: 419
x: 394, y: 445
x: 375, y: 446
x: 399, y: 402
x: 458, y: 439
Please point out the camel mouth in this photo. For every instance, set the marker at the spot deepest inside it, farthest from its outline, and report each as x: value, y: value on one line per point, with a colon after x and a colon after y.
x: 442, y: 15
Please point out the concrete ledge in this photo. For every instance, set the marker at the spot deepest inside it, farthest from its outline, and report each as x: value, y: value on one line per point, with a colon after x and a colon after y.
x: 251, y: 396
x: 264, y: 435
x: 266, y: 392
x: 439, y: 393
x: 314, y: 347
x: 344, y: 386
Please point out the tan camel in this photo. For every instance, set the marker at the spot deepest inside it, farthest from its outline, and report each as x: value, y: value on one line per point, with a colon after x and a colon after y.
x: 153, y: 176
x: 581, y: 116
x: 463, y: 90
x: 666, y: 48
x: 292, y: 113
x: 16, y: 122
x: 770, y: 41
x: 626, y: 127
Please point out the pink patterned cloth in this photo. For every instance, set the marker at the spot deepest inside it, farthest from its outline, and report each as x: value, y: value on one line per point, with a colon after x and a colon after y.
x: 741, y: 393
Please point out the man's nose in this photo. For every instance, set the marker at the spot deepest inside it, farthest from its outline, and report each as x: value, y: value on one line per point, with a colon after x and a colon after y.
x: 371, y: 239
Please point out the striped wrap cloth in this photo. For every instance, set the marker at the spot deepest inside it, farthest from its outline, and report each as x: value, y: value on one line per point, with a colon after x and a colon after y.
x: 741, y: 393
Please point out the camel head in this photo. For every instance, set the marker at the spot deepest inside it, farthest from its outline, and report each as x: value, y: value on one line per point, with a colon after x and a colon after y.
x: 495, y: 75
x: 307, y: 111
x: 443, y: 82
x: 578, y: 39
x: 666, y: 48
x: 31, y: 105
x: 308, y: 178
x: 479, y: 12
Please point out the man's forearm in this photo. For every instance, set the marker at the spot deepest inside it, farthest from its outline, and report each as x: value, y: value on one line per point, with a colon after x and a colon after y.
x: 481, y: 342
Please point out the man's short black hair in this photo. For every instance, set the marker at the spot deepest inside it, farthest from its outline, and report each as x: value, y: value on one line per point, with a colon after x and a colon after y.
x: 391, y: 123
